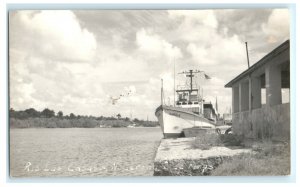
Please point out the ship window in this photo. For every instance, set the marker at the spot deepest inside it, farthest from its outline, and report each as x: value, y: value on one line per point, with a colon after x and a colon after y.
x: 178, y: 103
x: 180, y: 97
x: 195, y: 102
x: 190, y: 103
x: 184, y: 103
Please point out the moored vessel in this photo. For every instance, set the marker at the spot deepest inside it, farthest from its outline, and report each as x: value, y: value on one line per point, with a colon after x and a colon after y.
x: 189, y: 110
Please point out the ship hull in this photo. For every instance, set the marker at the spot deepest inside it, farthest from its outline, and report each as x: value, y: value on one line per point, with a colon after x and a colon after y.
x: 173, y: 120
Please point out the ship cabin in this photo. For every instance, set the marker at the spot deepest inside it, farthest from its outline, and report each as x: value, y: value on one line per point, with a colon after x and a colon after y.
x: 189, y: 100
x: 209, y: 111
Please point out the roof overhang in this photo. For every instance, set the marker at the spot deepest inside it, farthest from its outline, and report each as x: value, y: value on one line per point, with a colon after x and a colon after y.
x: 267, y: 58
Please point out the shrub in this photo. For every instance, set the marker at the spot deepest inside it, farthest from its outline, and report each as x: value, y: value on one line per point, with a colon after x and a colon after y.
x: 206, y: 141
x: 231, y: 139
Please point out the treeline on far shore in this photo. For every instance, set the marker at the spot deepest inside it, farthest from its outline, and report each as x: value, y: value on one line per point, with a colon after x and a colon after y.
x: 31, y: 118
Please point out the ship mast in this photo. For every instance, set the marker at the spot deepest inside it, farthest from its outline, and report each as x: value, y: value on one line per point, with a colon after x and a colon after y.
x: 162, y: 92
x: 190, y: 74
x: 174, y: 83
x: 191, y: 77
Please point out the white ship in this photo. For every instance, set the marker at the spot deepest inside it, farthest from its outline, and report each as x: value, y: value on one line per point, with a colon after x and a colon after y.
x: 189, y: 110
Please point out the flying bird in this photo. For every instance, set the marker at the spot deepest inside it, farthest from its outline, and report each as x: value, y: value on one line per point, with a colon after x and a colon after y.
x: 128, y: 92
x: 114, y: 100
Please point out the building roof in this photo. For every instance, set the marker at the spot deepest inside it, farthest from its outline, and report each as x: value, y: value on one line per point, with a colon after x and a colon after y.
x: 284, y: 46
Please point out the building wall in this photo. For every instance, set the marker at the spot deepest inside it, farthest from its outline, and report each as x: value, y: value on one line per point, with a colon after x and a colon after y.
x: 257, y: 119
x: 268, y: 122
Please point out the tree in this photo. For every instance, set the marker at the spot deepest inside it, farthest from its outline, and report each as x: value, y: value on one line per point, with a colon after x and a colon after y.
x: 32, y: 112
x: 72, y: 116
x: 18, y: 114
x: 119, y: 116
x: 21, y: 115
x: 12, y: 112
x: 100, y: 118
x: 47, y: 113
x: 60, y: 114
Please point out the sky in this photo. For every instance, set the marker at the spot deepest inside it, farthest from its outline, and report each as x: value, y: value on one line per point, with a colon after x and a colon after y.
x: 80, y: 61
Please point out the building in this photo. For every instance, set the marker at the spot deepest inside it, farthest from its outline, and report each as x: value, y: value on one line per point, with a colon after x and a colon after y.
x: 260, y: 97
x: 209, y: 112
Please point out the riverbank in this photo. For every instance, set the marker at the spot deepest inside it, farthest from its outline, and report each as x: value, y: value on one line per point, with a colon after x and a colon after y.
x: 180, y: 157
x: 82, y: 122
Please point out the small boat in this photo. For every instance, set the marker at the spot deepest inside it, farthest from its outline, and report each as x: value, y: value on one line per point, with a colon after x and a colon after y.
x: 196, y: 131
x: 189, y: 110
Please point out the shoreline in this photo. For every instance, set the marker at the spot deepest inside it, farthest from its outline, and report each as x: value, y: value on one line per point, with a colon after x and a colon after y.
x: 177, y: 157
x: 191, y: 157
x: 78, y: 122
x: 79, y: 127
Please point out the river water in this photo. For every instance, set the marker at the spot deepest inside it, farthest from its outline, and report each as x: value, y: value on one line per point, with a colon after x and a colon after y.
x: 83, y: 152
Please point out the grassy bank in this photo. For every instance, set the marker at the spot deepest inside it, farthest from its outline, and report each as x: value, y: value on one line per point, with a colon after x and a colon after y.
x: 268, y: 158
x: 206, y: 141
x: 87, y: 122
x: 47, y: 118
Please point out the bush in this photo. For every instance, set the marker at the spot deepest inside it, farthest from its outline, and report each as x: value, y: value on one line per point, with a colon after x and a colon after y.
x: 206, y: 141
x: 231, y: 139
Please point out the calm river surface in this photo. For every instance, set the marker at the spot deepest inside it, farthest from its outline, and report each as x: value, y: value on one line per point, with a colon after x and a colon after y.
x: 83, y: 152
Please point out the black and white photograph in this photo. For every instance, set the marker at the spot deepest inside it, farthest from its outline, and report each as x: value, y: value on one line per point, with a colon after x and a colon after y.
x: 149, y: 92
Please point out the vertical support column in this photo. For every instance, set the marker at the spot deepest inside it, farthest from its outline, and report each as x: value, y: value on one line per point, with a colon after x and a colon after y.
x: 240, y: 97
x: 273, y: 85
x: 233, y: 99
x: 249, y: 124
x: 244, y: 95
x: 256, y: 92
x: 236, y: 126
x: 250, y: 93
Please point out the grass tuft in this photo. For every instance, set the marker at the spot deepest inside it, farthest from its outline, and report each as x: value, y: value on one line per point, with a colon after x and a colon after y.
x: 206, y: 141
x: 268, y: 159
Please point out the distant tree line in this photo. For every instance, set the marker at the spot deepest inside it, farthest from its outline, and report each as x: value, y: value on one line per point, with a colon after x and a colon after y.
x: 47, y: 118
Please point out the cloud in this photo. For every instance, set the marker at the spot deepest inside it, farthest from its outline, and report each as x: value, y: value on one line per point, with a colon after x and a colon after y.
x: 42, y: 44
x: 74, y: 60
x: 153, y: 45
x: 259, y: 27
x: 54, y: 35
x: 194, y: 17
x: 193, y: 25
x: 277, y: 27
x: 245, y: 23
x: 220, y: 54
